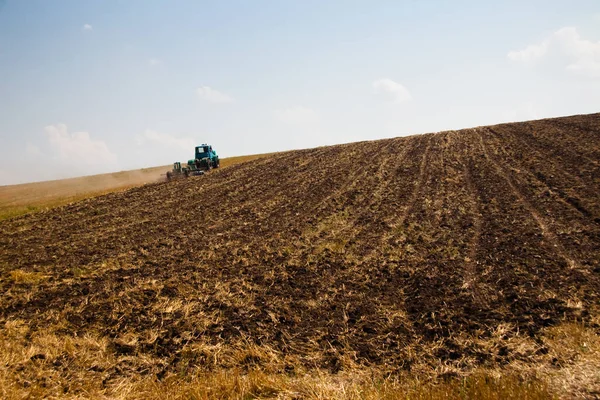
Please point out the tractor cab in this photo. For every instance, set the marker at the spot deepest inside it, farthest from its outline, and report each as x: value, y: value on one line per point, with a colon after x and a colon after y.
x: 204, y: 151
x: 205, y: 158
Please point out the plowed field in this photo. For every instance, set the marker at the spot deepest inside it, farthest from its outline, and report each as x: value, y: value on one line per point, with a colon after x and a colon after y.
x: 455, y: 249
x: 30, y: 197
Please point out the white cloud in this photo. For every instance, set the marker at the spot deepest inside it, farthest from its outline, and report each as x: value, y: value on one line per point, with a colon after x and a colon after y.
x: 165, y: 140
x: 297, y: 115
x: 212, y: 95
x: 76, y: 149
x: 531, y: 53
x: 392, y: 91
x: 64, y: 155
x: 576, y: 54
x: 87, y: 27
x: 587, y: 68
x: 154, y: 61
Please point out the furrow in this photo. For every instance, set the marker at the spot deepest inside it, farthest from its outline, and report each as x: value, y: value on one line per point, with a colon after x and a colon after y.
x: 548, y: 234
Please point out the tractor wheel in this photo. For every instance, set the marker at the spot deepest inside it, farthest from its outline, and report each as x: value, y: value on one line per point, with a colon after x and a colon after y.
x: 217, y: 164
x: 169, y: 176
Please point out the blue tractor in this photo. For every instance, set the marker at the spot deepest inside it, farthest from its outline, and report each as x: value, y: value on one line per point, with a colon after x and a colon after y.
x: 205, y: 159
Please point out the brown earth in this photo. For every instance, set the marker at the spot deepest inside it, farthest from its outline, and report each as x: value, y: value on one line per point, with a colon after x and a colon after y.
x: 30, y: 197
x: 450, y: 249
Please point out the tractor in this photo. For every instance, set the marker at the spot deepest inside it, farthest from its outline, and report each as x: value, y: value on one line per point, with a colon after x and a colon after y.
x: 205, y: 158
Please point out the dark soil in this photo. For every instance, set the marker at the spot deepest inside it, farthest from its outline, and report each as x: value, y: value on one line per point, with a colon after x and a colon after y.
x: 373, y: 249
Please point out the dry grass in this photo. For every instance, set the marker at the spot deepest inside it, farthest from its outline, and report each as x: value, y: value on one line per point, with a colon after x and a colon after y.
x: 19, y: 276
x: 50, y: 364
x: 22, y: 199
x: 574, y: 360
x: 353, y: 386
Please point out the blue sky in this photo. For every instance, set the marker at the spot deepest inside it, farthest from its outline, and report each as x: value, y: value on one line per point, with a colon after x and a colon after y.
x: 99, y: 86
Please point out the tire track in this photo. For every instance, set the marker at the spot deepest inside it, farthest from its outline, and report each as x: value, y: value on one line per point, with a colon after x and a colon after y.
x: 565, y: 201
x: 584, y: 139
x: 418, y: 186
x: 368, y: 233
x: 461, y: 151
x: 471, y: 262
x: 548, y: 234
x: 541, y: 173
x: 566, y: 151
x: 347, y: 196
x: 395, y: 221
